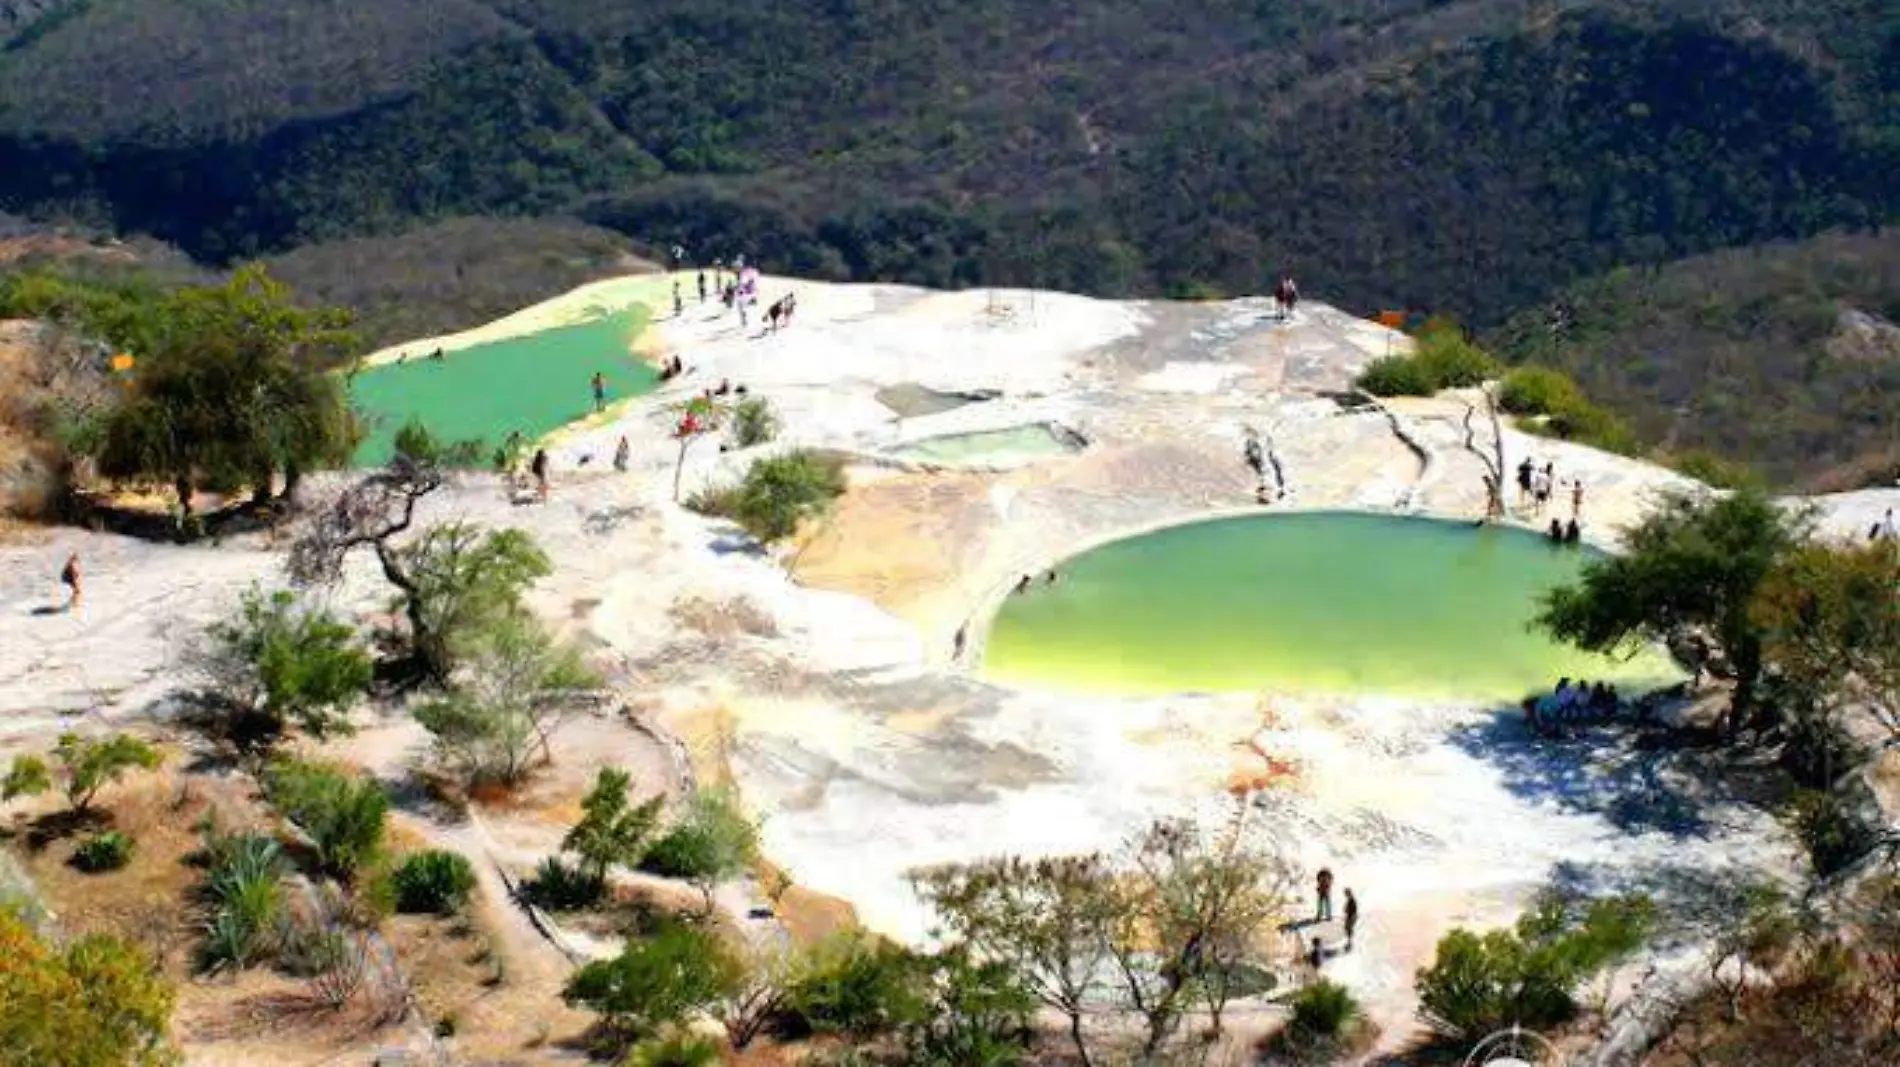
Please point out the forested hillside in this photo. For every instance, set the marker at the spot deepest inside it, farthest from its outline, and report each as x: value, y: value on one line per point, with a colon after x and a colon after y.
x: 1784, y: 356
x: 1464, y: 156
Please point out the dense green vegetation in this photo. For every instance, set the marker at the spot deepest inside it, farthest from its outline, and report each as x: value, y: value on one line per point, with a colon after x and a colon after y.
x: 1785, y: 357
x: 95, y: 1002
x: 1464, y: 156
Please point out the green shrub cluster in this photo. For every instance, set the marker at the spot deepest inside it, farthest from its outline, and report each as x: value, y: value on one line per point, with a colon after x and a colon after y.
x: 1442, y: 359
x: 1323, y: 1011
x: 344, y: 817
x: 1480, y: 983
x: 106, y: 851
x: 244, y: 890
x: 858, y: 987
x: 713, y: 839
x: 434, y: 881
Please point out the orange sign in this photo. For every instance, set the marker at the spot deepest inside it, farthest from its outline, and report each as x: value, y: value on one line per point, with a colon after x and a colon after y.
x: 1392, y: 320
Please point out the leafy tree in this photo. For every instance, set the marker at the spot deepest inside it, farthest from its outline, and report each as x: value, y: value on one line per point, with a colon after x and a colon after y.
x: 86, y: 765
x: 1193, y: 904
x: 460, y: 585
x: 1049, y: 918
x: 1830, y: 625
x: 783, y: 491
x: 713, y: 841
x: 344, y: 817
x: 1694, y: 564
x: 281, y: 664
x: 97, y: 1002
x: 233, y: 391
x: 516, y: 686
x: 657, y: 981
x: 612, y: 830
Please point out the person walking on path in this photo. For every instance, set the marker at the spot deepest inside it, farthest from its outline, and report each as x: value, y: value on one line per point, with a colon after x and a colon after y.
x: 600, y: 392
x: 622, y: 452
x: 69, y: 577
x: 1352, y: 917
x: 540, y: 470
x: 1324, y: 883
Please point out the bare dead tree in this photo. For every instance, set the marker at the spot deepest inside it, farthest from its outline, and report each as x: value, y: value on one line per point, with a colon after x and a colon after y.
x: 1492, y: 456
x: 373, y: 512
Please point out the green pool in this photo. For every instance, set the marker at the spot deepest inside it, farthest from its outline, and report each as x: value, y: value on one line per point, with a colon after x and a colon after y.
x: 535, y: 383
x: 1326, y: 602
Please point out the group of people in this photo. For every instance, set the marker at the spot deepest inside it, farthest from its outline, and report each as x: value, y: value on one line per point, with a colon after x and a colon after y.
x: 1535, y: 486
x: 1317, y: 952
x: 1572, y: 703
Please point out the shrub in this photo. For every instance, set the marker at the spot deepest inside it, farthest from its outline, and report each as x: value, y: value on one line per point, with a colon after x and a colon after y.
x: 1449, y: 361
x: 97, y: 1000
x: 753, y: 422
x: 343, y: 817
x: 279, y: 665
x: 1830, y: 831
x: 108, y: 851
x: 714, y: 840
x: 673, y: 1050
x: 434, y: 881
x: 781, y: 492
x: 1323, y: 1010
x: 1528, y: 976
x: 245, y: 893
x: 612, y: 830
x: 857, y: 987
x: 561, y: 886
x: 1395, y: 376
x: 86, y: 765
x: 1537, y: 391
x: 715, y: 501
x: 655, y: 982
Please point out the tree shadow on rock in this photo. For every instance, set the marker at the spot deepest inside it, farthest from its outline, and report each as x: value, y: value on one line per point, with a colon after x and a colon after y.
x: 1633, y: 779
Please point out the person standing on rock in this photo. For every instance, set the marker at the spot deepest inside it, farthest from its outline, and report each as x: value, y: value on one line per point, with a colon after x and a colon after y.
x: 1324, y: 885
x: 622, y: 453
x: 1352, y: 918
x: 600, y: 392
x: 1524, y: 472
x: 702, y: 285
x: 679, y: 305
x: 1576, y: 501
x: 539, y: 467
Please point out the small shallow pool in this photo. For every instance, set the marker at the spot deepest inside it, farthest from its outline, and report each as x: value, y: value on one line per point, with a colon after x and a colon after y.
x: 991, y: 446
x: 1322, y: 602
